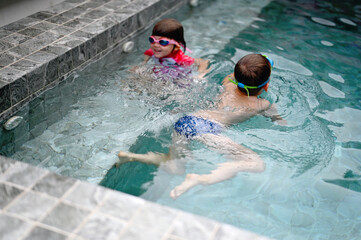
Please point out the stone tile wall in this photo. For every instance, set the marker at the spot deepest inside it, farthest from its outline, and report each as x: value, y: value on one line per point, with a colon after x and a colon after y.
x: 40, y: 205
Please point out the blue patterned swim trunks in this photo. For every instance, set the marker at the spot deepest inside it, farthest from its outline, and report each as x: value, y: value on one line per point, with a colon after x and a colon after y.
x: 191, y: 126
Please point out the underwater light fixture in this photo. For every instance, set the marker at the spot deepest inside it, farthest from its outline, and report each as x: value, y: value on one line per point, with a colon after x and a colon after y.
x: 128, y: 46
x: 13, y: 122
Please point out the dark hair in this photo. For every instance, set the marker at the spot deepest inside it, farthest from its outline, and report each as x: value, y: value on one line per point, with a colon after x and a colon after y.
x: 252, y: 70
x: 170, y: 28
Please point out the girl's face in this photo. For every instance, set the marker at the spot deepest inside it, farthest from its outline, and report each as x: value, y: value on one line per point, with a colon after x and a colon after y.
x: 162, y: 51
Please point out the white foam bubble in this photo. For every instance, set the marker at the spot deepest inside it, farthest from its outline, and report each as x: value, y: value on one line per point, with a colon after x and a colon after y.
x: 323, y: 21
x: 327, y: 43
x: 349, y: 130
x: 331, y: 91
x: 336, y: 77
x: 347, y: 21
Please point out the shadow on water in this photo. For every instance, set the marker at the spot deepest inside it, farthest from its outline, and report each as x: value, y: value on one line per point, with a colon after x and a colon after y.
x: 132, y: 177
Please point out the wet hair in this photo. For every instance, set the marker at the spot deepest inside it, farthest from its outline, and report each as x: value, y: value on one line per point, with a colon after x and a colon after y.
x: 170, y: 28
x: 252, y: 70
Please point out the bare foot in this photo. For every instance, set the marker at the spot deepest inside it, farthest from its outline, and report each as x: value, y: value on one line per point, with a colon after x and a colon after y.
x: 190, y: 181
x: 123, y: 158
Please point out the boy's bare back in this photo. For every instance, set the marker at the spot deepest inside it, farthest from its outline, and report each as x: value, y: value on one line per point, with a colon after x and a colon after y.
x: 234, y: 106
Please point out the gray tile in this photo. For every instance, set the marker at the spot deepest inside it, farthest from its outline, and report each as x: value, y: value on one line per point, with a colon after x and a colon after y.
x: 90, y: 5
x: 227, y: 232
x: 25, y: 65
x: 189, y: 226
x: 22, y: 174
x: 121, y: 205
x: 42, y: 15
x: 6, y: 59
x: 52, y: 71
x: 61, y: 7
x: 9, y: 75
x: 78, y: 55
x: 45, y: 26
x: 83, y: 35
x: 78, y: 23
x: 102, y: 41
x: 73, y: 13
x: 128, y: 26
x: 70, y: 41
x: 61, y: 31
x: 41, y: 41
x: 54, y: 185
x: 7, y: 194
x: 65, y: 63
x: 5, y: 101
x: 65, y: 217
x: 21, y: 51
x: 19, y: 90
x: 86, y: 195
x: 36, y: 79
x: 41, y: 57
x: 4, y: 33
x: 58, y: 19
x: 5, y: 164
x: 4, y: 46
x: 28, y: 21
x: 98, y: 26
x: 13, y: 27
x: 75, y: 1
x: 97, y: 13
x: 111, y: 227
x: 115, y: 4
x: 12, y: 228
x: 144, y: 221
x: 16, y: 39
x: 32, y: 205
x: 40, y: 233
x: 31, y: 32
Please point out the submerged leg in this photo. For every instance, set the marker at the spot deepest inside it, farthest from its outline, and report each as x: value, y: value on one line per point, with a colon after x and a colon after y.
x: 150, y: 157
x: 243, y: 160
x: 177, y: 150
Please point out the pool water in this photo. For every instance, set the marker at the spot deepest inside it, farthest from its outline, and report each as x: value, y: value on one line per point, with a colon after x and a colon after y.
x: 311, y: 188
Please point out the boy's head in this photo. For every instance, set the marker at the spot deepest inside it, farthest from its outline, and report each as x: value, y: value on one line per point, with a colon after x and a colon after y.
x: 253, y: 71
x: 170, y: 28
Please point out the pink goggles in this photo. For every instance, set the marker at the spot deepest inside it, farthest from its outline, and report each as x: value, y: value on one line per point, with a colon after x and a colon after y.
x: 165, y: 42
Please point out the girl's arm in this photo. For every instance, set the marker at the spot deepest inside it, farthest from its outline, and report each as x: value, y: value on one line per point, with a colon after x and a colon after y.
x: 146, y: 59
x: 202, y: 66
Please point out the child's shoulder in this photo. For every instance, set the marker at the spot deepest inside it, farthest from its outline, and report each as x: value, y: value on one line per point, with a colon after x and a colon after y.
x: 182, y: 59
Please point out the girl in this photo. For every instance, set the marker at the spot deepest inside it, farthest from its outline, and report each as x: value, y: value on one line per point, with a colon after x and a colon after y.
x: 165, y: 47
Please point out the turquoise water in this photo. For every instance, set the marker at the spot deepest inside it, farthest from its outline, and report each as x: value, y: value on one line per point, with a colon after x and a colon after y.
x: 311, y: 188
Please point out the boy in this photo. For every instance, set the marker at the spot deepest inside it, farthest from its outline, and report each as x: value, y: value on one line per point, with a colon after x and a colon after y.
x: 237, y: 103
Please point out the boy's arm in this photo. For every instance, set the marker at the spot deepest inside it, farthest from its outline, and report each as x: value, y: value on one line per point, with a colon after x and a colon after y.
x: 272, y: 113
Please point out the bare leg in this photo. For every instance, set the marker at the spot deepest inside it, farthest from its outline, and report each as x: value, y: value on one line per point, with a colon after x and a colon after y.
x: 177, y: 150
x: 150, y: 157
x: 244, y: 160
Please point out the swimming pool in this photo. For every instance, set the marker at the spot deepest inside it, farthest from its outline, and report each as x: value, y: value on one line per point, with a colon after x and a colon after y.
x: 311, y: 187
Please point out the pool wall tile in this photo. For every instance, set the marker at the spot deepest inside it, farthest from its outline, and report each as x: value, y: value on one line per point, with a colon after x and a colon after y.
x: 43, y: 233
x: 37, y: 204
x: 37, y: 53
x: 8, y: 193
